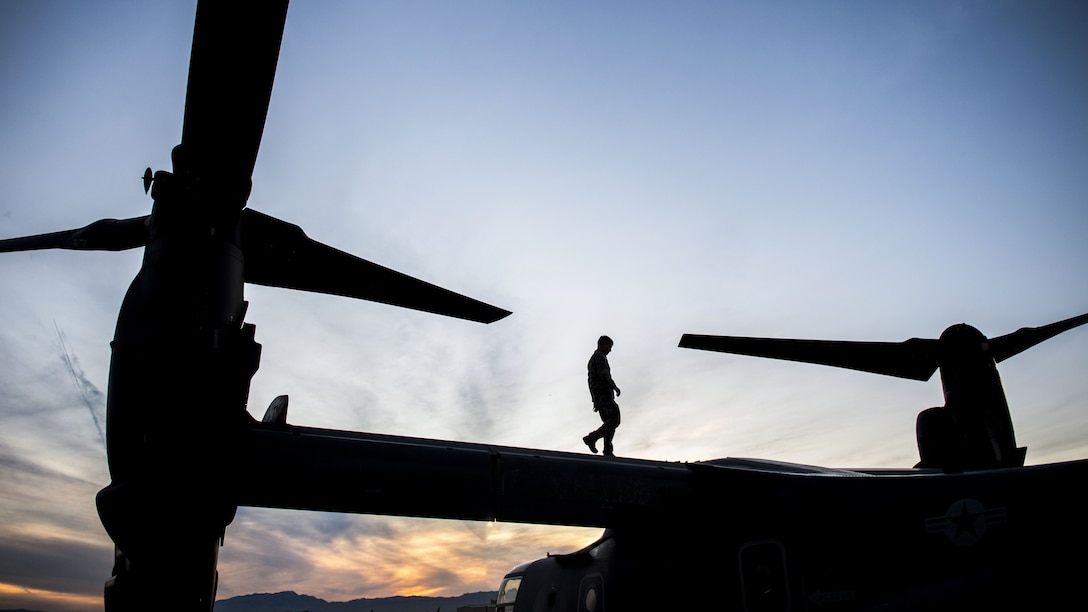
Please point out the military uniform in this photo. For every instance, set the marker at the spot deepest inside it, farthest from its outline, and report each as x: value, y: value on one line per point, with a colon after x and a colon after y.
x: 602, y: 392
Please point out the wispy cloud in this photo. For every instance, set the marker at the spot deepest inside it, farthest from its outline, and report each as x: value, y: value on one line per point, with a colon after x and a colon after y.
x: 93, y: 398
x: 341, y: 557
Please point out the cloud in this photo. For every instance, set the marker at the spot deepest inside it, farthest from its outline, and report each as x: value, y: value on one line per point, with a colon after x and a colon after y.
x: 340, y: 557
x: 19, y: 597
x: 93, y: 398
x: 50, y: 537
x: 55, y: 563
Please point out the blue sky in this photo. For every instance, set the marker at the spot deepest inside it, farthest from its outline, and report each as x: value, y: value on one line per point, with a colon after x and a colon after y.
x: 839, y: 170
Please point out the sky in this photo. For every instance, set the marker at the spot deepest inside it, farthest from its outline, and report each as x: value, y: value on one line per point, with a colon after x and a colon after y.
x: 837, y: 170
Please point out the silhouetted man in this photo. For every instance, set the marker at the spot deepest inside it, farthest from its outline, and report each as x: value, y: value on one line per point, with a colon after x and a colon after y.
x: 601, y: 387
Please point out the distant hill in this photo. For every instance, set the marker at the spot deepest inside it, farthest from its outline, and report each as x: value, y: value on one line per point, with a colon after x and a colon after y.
x: 289, y: 601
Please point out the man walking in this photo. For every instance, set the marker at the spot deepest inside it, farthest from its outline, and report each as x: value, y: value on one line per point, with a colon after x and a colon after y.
x: 601, y: 387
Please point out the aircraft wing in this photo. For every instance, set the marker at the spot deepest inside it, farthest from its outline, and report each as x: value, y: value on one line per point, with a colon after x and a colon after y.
x: 102, y: 235
x: 916, y: 359
x: 279, y: 254
x: 1006, y: 346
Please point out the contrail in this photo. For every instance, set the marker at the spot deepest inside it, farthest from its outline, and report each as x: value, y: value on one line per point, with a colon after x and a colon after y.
x: 82, y: 383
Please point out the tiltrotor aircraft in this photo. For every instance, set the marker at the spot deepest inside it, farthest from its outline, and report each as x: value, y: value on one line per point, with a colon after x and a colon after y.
x: 968, y: 528
x: 971, y: 526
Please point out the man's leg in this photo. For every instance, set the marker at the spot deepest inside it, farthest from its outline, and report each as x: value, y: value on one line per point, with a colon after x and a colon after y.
x: 591, y: 438
x: 611, y: 417
x: 608, y: 442
x: 591, y: 441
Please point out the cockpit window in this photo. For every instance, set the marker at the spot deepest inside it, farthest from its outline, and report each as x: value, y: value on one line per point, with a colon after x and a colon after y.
x: 508, y: 590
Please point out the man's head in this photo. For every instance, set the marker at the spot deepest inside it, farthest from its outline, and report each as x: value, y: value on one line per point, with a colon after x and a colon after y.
x: 604, y: 344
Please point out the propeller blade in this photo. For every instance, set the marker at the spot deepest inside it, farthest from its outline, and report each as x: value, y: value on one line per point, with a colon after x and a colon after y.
x: 916, y: 359
x: 1006, y: 346
x: 235, y: 50
x: 279, y: 254
x: 102, y: 235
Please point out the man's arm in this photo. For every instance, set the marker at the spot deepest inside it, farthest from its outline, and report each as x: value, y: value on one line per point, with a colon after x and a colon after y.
x: 606, y: 374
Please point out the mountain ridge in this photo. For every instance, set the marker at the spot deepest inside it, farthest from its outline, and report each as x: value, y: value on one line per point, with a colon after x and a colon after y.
x: 290, y: 601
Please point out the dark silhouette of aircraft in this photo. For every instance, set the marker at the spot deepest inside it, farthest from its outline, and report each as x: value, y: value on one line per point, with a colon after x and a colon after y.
x: 972, y: 526
x: 968, y: 528
x: 973, y: 430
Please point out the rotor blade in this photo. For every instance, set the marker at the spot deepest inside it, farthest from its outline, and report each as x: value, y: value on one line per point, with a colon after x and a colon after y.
x: 235, y: 50
x: 279, y: 254
x: 102, y: 235
x: 1006, y: 346
x: 916, y: 358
